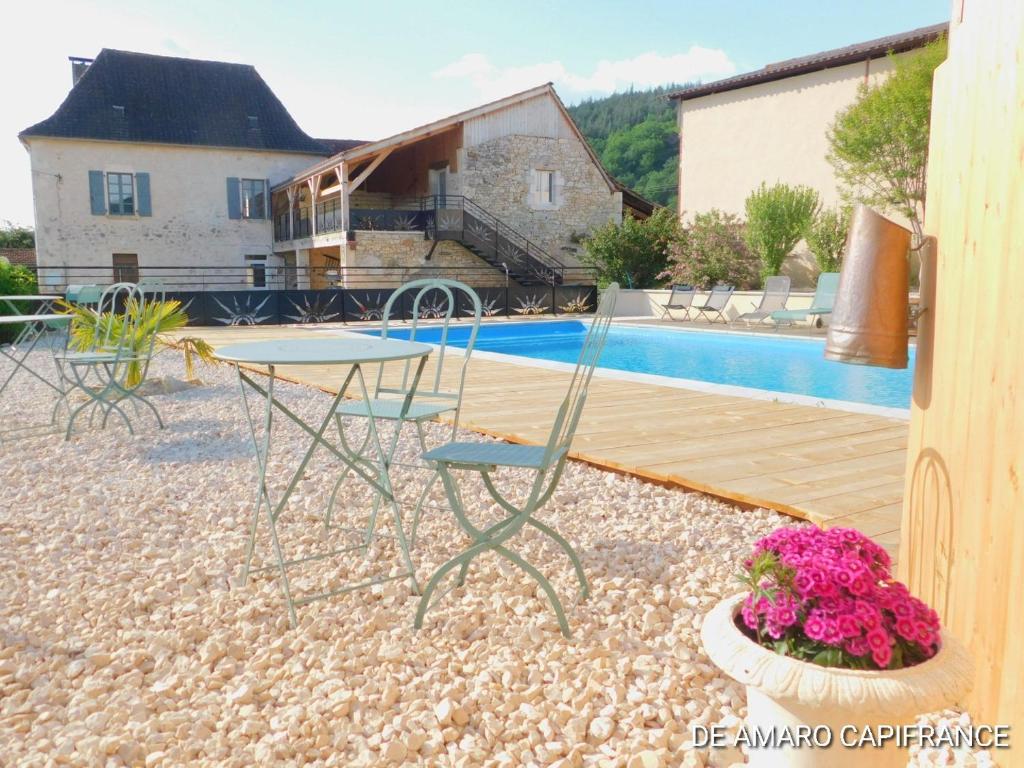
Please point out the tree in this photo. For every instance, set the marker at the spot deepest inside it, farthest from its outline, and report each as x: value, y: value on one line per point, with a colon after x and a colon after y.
x: 879, y: 144
x: 777, y: 218
x: 15, y: 280
x: 14, y: 236
x: 826, y: 237
x: 711, y: 250
x: 634, y: 252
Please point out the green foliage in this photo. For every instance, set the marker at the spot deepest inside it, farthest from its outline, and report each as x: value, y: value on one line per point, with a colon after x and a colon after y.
x: 777, y: 218
x: 15, y: 280
x: 91, y: 330
x: 879, y: 144
x: 826, y: 237
x: 710, y: 250
x: 13, y: 236
x: 193, y: 347
x: 635, y: 252
x: 635, y: 135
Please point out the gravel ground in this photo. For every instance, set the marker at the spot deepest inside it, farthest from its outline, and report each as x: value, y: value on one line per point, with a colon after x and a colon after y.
x: 126, y: 637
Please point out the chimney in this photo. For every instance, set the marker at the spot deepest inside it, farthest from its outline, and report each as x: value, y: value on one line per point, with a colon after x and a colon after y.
x: 78, y: 67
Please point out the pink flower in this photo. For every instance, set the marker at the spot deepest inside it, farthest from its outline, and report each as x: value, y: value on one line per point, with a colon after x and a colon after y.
x: 814, y: 628
x: 857, y: 646
x: 882, y: 656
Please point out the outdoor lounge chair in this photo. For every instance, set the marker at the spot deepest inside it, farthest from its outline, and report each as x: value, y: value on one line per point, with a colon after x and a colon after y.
x: 824, y: 299
x: 716, y: 303
x: 680, y: 299
x: 432, y: 298
x: 542, y: 467
x: 775, y: 296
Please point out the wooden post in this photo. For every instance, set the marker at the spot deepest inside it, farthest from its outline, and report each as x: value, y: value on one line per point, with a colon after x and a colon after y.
x: 291, y: 212
x: 342, y: 173
x: 314, y: 186
x: 962, y: 545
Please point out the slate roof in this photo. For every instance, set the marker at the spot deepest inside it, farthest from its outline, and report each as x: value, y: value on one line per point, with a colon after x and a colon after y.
x: 334, y: 146
x: 139, y: 97
x: 872, y: 49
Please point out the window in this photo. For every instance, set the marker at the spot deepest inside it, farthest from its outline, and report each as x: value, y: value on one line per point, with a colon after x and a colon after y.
x: 257, y: 270
x: 546, y: 187
x: 120, y: 194
x: 254, y: 199
x: 126, y: 267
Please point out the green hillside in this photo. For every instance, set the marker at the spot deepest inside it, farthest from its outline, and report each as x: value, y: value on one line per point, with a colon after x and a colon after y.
x: 634, y: 133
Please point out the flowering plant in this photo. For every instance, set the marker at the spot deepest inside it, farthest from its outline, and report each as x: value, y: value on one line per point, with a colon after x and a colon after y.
x: 828, y: 597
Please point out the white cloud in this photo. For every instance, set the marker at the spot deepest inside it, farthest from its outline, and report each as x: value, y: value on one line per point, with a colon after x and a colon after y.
x: 642, y: 71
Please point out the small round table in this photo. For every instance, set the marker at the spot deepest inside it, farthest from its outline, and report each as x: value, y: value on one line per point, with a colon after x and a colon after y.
x: 353, y: 353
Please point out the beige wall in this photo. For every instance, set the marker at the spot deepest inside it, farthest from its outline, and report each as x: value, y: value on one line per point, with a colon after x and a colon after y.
x: 392, y: 258
x: 730, y: 142
x: 189, y: 225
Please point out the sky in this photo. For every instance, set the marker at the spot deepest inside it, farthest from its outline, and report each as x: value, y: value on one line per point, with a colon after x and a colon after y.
x: 366, y: 70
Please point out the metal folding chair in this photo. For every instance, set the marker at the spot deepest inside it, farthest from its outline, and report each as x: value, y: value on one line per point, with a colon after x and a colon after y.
x: 680, y: 299
x: 432, y: 299
x: 716, y: 303
x: 111, y: 371
x: 547, y: 463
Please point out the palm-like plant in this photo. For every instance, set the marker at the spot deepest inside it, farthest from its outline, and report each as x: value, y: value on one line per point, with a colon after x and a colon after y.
x: 91, y: 330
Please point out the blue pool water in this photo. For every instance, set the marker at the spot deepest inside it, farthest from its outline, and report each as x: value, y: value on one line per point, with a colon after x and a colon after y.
x: 783, y: 364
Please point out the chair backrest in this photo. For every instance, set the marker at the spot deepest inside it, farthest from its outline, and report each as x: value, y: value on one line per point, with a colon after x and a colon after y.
x: 825, y: 293
x: 681, y: 296
x: 776, y: 294
x: 432, y: 299
x: 564, y: 428
x: 120, y: 309
x: 720, y: 296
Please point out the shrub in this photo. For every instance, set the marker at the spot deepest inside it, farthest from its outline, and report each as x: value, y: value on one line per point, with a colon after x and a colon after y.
x: 879, y: 144
x: 634, y: 252
x: 777, y: 218
x: 828, y: 597
x: 711, y: 250
x: 14, y: 280
x: 826, y: 237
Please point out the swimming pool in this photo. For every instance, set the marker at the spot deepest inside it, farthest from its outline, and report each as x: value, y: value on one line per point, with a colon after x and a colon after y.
x: 774, y: 364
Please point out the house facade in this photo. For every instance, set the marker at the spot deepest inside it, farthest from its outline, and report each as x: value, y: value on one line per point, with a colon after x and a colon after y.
x: 193, y: 173
x: 771, y: 125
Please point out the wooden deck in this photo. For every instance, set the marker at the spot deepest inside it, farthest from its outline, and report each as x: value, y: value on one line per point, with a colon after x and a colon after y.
x: 827, y: 466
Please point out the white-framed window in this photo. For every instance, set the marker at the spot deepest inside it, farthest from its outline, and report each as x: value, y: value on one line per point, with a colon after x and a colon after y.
x: 254, y: 198
x: 120, y: 194
x: 546, y: 187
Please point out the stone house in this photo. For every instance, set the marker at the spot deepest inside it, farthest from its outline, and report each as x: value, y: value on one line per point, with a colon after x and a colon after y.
x: 193, y: 172
x: 770, y: 125
x: 504, y: 186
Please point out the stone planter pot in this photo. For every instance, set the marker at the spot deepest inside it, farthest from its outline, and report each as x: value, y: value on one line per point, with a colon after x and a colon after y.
x: 787, y: 693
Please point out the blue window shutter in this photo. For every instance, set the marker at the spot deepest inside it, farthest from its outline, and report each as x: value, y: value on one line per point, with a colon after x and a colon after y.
x: 97, y: 194
x: 234, y: 198
x: 266, y: 198
x: 145, y: 208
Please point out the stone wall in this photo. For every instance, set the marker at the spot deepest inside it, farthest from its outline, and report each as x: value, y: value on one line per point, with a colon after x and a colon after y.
x: 497, y: 175
x: 403, y: 256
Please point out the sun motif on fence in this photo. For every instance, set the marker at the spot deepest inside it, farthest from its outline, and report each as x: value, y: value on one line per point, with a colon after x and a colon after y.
x: 317, y: 311
x: 509, y: 252
x: 372, y: 309
x: 446, y: 222
x: 404, y: 223
x: 242, y: 313
x: 433, y: 308
x: 479, y: 231
x: 576, y: 305
x: 530, y: 305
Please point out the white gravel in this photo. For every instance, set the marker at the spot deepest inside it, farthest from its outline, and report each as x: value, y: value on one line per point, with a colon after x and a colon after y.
x: 126, y: 639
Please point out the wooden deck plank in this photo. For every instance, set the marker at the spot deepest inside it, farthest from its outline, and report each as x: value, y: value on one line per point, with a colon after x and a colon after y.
x: 829, y: 466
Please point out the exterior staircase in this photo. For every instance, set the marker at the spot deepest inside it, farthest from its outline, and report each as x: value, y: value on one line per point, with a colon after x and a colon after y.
x: 457, y: 218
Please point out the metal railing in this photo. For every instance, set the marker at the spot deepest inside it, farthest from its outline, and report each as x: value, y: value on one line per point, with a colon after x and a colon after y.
x: 279, y: 275
x: 269, y: 293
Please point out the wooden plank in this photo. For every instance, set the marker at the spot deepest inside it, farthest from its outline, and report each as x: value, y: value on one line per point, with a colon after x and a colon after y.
x: 812, y: 463
x: 963, y: 544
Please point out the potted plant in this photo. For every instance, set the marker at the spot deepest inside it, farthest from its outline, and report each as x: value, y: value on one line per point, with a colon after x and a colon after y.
x: 828, y: 644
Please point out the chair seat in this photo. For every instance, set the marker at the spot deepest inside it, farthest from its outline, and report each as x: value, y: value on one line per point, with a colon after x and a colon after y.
x: 790, y: 314
x: 392, y: 409
x: 87, y: 357
x: 497, y: 454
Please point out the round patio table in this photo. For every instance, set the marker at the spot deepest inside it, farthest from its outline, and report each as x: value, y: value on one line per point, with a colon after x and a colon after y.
x: 353, y: 353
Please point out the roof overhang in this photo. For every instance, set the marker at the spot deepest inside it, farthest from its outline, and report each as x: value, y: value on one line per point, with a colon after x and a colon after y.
x: 837, y: 57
